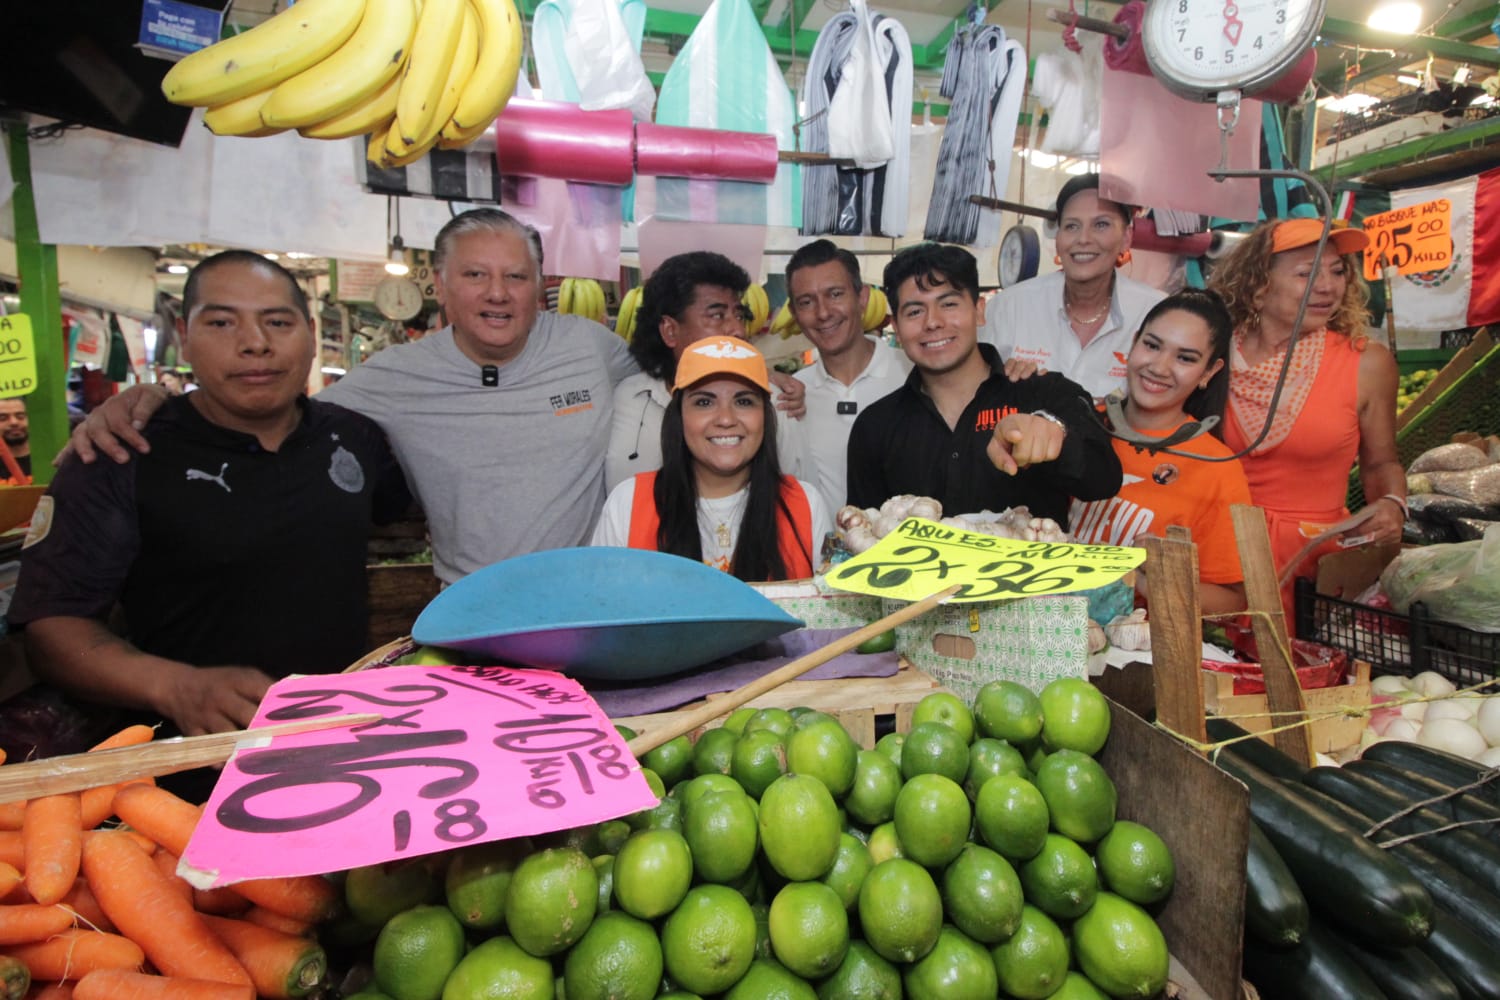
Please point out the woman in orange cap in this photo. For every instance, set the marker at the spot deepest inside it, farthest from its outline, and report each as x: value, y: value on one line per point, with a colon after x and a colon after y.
x: 1338, y: 403
x: 720, y: 496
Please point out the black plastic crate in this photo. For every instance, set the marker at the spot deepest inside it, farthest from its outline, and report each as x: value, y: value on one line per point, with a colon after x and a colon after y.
x: 1395, y: 643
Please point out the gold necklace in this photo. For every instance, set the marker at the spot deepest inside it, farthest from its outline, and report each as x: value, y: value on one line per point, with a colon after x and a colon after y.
x: 1068, y: 308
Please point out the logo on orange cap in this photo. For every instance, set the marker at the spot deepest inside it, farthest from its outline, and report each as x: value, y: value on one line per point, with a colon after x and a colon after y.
x: 721, y: 356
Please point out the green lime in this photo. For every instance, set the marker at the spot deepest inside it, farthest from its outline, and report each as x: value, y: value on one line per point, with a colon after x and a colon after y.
x: 1076, y: 986
x: 884, y: 844
x: 626, y: 733
x: 478, y: 879
x: 758, y: 759
x: 552, y: 899
x: 882, y: 643
x: 803, y: 717
x: 604, y: 868
x: 722, y: 832
x: 1135, y: 863
x: 1060, y: 880
x: 416, y: 950
x: 1012, y: 817
x: 877, y: 780
x: 702, y: 785
x: 823, y: 750
x: 947, y: 708
x: 768, y: 980
x: 1033, y: 963
x: 809, y: 929
x: 1005, y: 710
x: 642, y: 819
x: 900, y: 910
x: 1075, y: 716
x: 665, y: 815
x: 891, y: 744
x: 735, y: 721
x: 1120, y: 948
x: 1081, y: 798
x: 799, y: 827
x: 652, y: 873
x: 619, y: 958
x: 850, y: 866
x: 762, y: 912
x: 982, y: 895
x: 932, y: 819
x: 989, y: 758
x: 712, y: 752
x: 957, y: 968
x: 863, y: 975
x: 709, y: 941
x: 673, y: 760
x: 498, y: 967
x: 376, y: 893
x: 934, y: 748
x: 777, y: 720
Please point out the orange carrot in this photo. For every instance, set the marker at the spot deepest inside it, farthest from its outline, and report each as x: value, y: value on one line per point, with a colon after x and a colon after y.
x: 75, y: 952
x: 109, y: 985
x: 12, y: 815
x: 282, y: 966
x: 27, y: 922
x: 12, y: 851
x: 165, y: 818
x: 130, y: 736
x: 98, y: 804
x: 166, y: 863
x: 276, y: 921
x: 86, y: 908
x: 53, y: 840
x: 221, y: 902
x: 14, y: 978
x: 51, y: 991
x: 10, y: 879
x: 146, y: 908
x: 310, y: 898
x: 145, y: 843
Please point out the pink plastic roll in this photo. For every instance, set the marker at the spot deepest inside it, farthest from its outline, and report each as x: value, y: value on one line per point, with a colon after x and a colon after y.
x: 1288, y: 88
x: 553, y: 139
x: 1145, y: 237
x: 1129, y: 55
x: 705, y: 154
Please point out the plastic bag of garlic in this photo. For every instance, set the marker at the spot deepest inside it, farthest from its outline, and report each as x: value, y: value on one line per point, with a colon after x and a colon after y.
x: 859, y: 529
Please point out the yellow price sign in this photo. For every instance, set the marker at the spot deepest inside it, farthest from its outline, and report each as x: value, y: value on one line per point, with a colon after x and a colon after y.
x: 1414, y: 239
x: 922, y: 557
x: 17, y: 357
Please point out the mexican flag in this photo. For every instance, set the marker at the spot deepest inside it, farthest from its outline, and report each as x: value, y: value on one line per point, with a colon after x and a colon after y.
x: 1467, y: 292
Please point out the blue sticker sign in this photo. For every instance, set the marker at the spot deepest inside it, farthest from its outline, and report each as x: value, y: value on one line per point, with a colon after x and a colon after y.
x: 171, y: 29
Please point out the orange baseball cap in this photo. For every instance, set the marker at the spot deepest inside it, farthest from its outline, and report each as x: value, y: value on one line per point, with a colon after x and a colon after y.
x: 1294, y: 233
x: 721, y: 356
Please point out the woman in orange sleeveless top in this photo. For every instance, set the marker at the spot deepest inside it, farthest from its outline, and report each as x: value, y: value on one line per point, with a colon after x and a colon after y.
x: 1338, y: 404
x: 720, y: 496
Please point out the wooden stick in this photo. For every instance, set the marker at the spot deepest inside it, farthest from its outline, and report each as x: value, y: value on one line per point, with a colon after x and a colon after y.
x: 1176, y: 635
x: 811, y: 159
x: 686, y: 722
x: 984, y: 201
x: 1094, y: 24
x: 75, y: 772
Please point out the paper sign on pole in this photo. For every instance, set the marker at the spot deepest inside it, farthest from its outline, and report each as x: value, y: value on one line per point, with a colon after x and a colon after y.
x: 1414, y: 240
x: 17, y: 357
x: 922, y: 557
x: 462, y: 755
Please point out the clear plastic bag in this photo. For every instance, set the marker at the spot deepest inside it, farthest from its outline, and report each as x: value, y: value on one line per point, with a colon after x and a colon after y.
x: 606, y: 66
x: 1458, y: 583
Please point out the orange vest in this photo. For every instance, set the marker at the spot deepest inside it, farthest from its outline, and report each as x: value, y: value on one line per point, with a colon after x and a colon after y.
x: 795, y: 556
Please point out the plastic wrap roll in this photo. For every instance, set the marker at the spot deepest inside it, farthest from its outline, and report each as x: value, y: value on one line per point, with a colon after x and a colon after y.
x: 1224, y: 240
x: 1129, y: 55
x: 553, y: 139
x: 708, y: 154
x: 1288, y: 88
x: 1145, y: 237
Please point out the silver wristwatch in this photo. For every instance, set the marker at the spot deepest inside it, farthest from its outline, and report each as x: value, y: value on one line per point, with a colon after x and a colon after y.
x: 1046, y: 415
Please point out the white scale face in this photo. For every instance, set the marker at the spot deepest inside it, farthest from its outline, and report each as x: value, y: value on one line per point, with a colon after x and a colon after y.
x: 1198, y: 48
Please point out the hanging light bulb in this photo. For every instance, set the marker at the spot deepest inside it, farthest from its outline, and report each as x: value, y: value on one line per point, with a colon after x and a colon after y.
x: 397, y: 265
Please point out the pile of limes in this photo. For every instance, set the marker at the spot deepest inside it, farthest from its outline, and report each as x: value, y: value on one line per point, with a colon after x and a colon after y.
x: 975, y: 856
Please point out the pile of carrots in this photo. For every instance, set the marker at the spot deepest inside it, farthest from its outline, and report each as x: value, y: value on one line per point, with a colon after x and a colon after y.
x: 94, y: 910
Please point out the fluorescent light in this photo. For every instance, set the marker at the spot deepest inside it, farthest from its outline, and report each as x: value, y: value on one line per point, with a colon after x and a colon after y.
x: 1408, y: 80
x: 1482, y: 101
x: 1397, y: 18
x: 330, y: 370
x: 177, y: 269
x: 1044, y: 160
x: 271, y: 256
x: 294, y: 255
x: 1078, y: 167
x: 396, y: 266
x: 1349, y: 104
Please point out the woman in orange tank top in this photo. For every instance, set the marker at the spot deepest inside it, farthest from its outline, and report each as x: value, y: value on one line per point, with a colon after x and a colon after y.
x: 1338, y: 404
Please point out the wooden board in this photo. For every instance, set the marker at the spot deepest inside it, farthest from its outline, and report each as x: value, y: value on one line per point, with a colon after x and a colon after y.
x: 397, y: 594
x: 1204, y: 816
x: 1249, y: 711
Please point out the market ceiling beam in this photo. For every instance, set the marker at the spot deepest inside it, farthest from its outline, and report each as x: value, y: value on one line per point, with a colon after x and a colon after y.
x: 1416, y: 46
x: 1464, y: 29
x: 1479, y: 134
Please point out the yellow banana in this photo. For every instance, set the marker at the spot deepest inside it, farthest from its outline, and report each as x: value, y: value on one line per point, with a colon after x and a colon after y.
x: 601, y: 303
x: 565, y: 296
x: 373, y: 114
x: 379, y: 150
x: 785, y: 325
x: 272, y: 51
x: 876, y: 308
x: 625, y: 318
x: 494, y: 77
x: 371, y: 57
x: 432, y: 48
x: 458, y: 75
x: 452, y: 138
x: 239, y: 117
x: 759, y: 304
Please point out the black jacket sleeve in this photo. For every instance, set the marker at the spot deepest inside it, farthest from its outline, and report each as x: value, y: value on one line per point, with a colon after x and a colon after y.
x: 1088, y: 468
x: 865, y: 466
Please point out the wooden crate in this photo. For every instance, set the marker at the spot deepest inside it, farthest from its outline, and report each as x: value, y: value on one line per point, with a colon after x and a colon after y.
x: 1327, y: 734
x: 397, y: 594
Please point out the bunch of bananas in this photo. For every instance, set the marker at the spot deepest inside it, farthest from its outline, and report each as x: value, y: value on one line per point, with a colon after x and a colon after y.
x: 876, y: 309
x: 582, y: 297
x: 785, y: 324
x: 759, y: 304
x: 630, y: 303
x: 332, y: 69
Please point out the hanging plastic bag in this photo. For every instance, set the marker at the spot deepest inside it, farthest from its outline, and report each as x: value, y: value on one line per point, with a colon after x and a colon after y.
x: 1459, y: 583
x: 859, y: 115
x: 606, y: 67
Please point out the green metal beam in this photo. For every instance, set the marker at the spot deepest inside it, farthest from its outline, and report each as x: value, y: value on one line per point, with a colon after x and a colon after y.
x: 36, y: 268
x: 1416, y: 149
x: 1354, y: 33
x: 1463, y: 29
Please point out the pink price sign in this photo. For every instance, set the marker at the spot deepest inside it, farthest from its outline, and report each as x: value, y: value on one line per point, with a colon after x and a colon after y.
x: 461, y: 755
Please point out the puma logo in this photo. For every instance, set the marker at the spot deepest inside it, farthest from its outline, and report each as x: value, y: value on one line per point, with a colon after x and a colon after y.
x: 200, y: 474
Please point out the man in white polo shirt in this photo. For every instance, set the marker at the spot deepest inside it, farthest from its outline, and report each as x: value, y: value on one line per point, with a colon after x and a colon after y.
x: 852, y: 370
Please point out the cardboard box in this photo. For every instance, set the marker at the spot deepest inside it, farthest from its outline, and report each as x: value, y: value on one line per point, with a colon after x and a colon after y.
x: 1340, y: 713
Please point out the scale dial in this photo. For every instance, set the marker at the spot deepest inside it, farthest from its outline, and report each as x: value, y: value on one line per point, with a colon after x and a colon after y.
x: 1020, y: 255
x: 398, y: 298
x: 1198, y: 48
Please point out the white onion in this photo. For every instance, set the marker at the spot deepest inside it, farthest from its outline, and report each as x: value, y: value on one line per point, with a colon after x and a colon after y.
x: 1390, y: 684
x: 1414, y: 711
x: 1490, y: 758
x: 1431, y: 684
x: 1449, y: 708
x: 1453, y: 736
x: 1403, y: 729
x: 1370, y: 737
x: 1489, y: 721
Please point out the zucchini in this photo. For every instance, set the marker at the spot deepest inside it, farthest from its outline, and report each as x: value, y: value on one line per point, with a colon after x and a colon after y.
x: 1345, y: 876
x: 1317, y: 969
x: 1404, y: 974
x: 1470, y: 962
x: 1450, y: 889
x: 1419, y: 789
x: 1468, y: 851
x: 1439, y: 765
x: 1275, y: 909
x: 1253, y: 751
